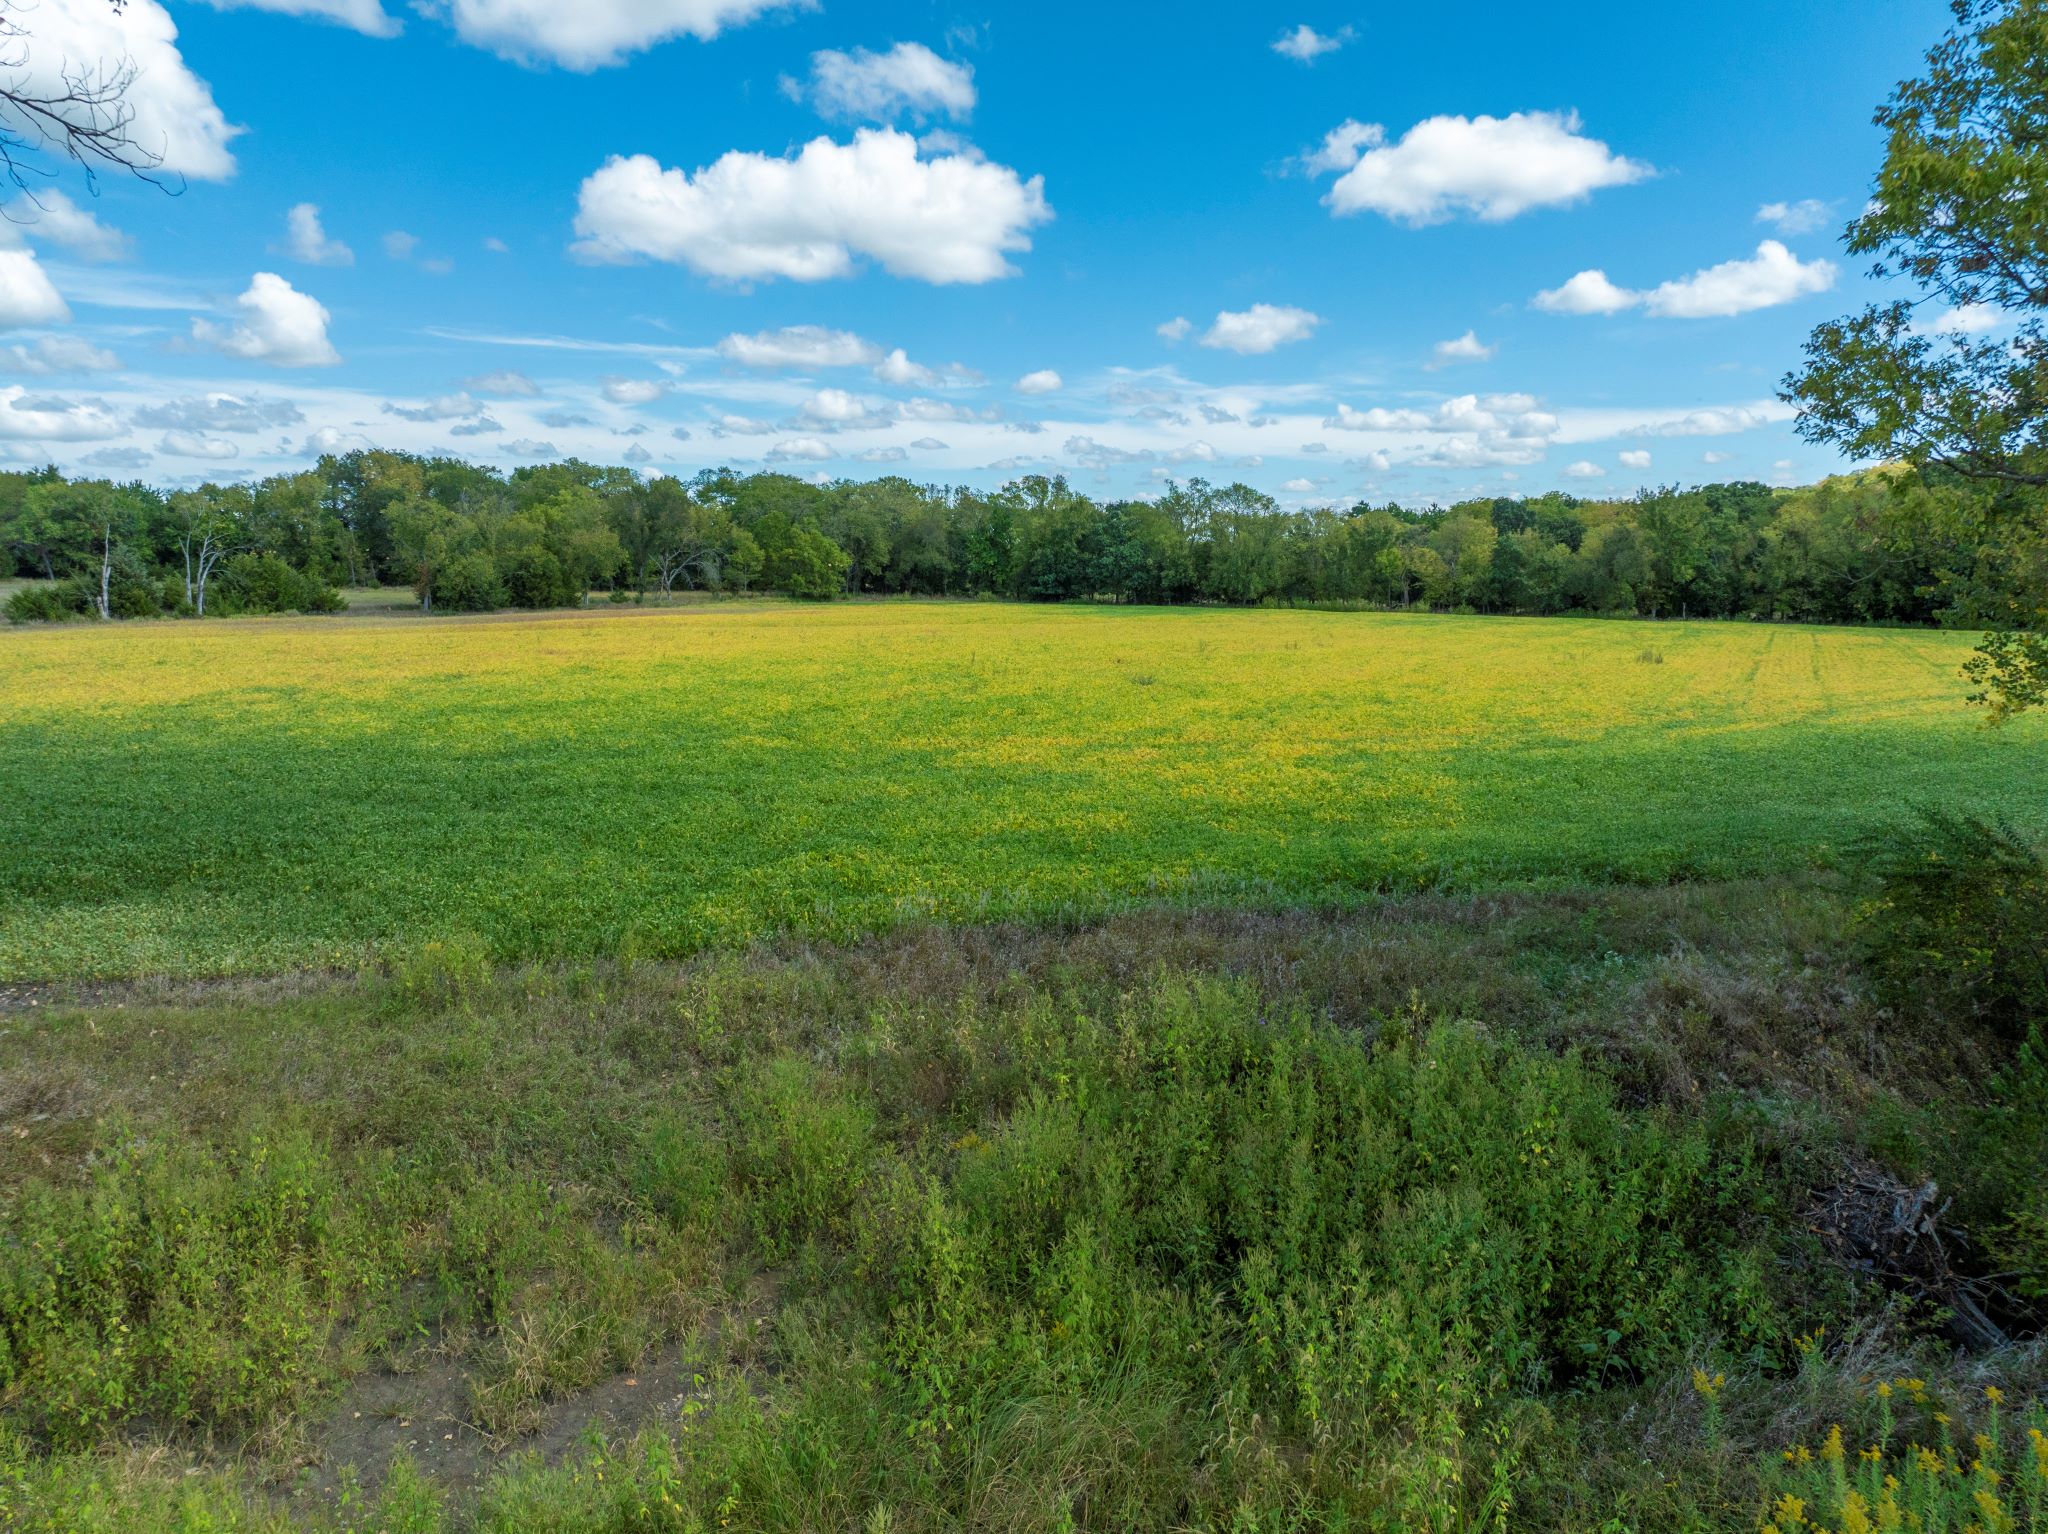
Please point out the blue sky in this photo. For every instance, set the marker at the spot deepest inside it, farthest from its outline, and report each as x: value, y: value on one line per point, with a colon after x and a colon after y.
x: 689, y: 232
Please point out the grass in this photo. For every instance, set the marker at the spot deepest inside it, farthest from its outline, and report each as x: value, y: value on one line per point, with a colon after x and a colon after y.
x: 1419, y: 1217
x: 243, y: 797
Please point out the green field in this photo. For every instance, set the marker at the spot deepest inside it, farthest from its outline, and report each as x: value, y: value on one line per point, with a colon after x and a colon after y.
x: 249, y: 796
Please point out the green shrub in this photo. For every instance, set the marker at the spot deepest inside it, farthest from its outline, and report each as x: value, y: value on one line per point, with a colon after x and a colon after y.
x: 47, y: 602
x: 1957, y: 921
x: 264, y: 583
x: 181, y: 1285
x: 469, y: 585
x: 534, y: 577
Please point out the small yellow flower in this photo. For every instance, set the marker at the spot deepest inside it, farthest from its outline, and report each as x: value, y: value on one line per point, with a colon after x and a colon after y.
x: 1994, y: 1395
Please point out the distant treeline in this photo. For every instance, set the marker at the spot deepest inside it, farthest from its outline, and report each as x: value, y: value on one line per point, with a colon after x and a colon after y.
x: 1876, y: 547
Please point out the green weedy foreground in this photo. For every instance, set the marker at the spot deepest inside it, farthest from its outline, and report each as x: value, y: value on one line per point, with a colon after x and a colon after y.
x: 252, y: 796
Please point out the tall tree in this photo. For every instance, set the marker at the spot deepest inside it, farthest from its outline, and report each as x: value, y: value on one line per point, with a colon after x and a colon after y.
x: 1960, y: 211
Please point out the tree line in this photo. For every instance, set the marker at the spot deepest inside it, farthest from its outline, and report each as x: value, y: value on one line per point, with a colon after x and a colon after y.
x: 1879, y: 547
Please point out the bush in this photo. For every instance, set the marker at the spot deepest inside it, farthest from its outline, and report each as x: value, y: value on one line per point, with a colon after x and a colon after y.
x: 808, y: 565
x: 533, y: 577
x: 469, y: 585
x: 46, y: 602
x: 1957, y: 921
x: 264, y: 583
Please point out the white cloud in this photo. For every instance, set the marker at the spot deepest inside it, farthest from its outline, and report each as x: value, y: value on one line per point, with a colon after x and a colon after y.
x: 1715, y: 458
x: 1490, y: 167
x: 1472, y: 430
x: 220, y: 412
x: 897, y: 368
x: 1175, y: 329
x: 1802, y: 217
x: 308, y: 241
x: 801, y: 450
x: 1772, y: 276
x: 813, y: 215
x: 58, y: 354
x: 1588, y: 293
x: 496, y: 246
x: 634, y: 391
x: 27, y: 296
x: 1259, y: 329
x: 446, y: 407
x: 279, y: 325
x: 527, y: 447
x: 365, y: 16
x: 1963, y: 320
x: 504, y: 381
x: 1304, y: 44
x: 1044, y: 381
x: 1584, y: 470
x: 173, y: 115
x: 837, y: 410
x: 192, y: 444
x: 636, y: 454
x: 399, y: 245
x: 592, y: 33
x: 883, y: 455
x: 1634, y: 458
x: 799, y: 346
x: 1466, y: 348
x: 1300, y: 486
x: 332, y: 439
x: 879, y: 87
x: 30, y: 417
x: 1718, y: 421
x: 50, y: 215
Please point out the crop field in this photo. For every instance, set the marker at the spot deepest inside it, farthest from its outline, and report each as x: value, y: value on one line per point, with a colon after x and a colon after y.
x: 248, y: 796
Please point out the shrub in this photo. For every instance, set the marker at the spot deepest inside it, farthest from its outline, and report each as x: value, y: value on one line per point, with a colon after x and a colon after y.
x: 1956, y: 919
x: 808, y: 565
x: 47, y: 602
x: 533, y: 577
x: 469, y: 585
x: 264, y: 583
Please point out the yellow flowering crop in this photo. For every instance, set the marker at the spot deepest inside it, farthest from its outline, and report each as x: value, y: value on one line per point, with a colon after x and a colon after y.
x: 238, y: 796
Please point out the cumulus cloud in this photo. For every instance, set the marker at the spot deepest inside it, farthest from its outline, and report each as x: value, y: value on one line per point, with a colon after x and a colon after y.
x: 1044, y: 381
x: 801, y: 450
x: 880, y: 87
x: 1304, y: 44
x: 278, y: 325
x: 1802, y: 217
x: 1584, y: 470
x: 1471, y: 430
x: 1175, y: 329
x: 929, y: 445
x: 306, y: 240
x: 634, y: 391
x: 816, y: 214
x: 173, y: 115
x: 636, y: 455
x: 58, y: 354
x: 117, y: 458
x: 837, y: 410
x: 592, y: 33
x: 527, y: 447
x: 1588, y: 293
x: 332, y: 439
x: 193, y: 444
x: 1771, y: 277
x: 50, y: 215
x: 446, y: 407
x: 27, y: 417
x: 1963, y: 320
x: 1492, y: 168
x: 1260, y: 329
x: 504, y: 381
x: 220, y: 412
x: 883, y: 455
x: 1719, y: 421
x: 27, y: 296
x: 365, y: 16
x: 1633, y: 458
x: 1300, y: 486
x: 800, y: 346
x: 1466, y: 348
x: 898, y: 369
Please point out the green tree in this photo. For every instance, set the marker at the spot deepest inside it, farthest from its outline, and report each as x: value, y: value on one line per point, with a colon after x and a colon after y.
x: 1960, y: 211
